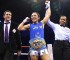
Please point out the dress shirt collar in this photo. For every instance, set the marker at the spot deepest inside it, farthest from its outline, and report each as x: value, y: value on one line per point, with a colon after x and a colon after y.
x: 7, y: 22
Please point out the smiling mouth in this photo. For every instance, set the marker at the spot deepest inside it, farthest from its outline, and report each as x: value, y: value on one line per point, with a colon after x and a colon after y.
x: 34, y: 18
x: 8, y: 17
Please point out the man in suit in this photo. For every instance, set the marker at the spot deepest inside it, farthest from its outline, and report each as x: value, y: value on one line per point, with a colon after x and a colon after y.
x: 9, y: 38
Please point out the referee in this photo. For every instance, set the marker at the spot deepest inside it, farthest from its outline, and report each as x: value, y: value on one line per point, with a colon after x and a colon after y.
x: 61, y: 47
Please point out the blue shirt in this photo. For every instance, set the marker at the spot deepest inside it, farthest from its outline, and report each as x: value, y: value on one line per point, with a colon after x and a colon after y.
x: 36, y: 31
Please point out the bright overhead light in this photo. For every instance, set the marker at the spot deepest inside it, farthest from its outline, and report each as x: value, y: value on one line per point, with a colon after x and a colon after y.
x: 35, y: 0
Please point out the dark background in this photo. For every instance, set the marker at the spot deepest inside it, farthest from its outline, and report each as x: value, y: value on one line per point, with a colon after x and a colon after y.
x: 23, y: 8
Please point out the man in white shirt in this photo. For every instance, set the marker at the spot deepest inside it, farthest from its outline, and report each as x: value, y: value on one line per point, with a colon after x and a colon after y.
x: 61, y: 47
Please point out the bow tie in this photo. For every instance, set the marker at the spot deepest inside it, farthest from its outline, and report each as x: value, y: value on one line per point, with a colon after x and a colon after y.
x: 62, y: 25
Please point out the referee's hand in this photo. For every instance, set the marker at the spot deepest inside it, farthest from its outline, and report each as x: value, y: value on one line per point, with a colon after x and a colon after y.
x: 19, y: 53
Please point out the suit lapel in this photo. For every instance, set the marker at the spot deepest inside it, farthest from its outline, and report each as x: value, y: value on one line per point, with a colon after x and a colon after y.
x: 11, y: 28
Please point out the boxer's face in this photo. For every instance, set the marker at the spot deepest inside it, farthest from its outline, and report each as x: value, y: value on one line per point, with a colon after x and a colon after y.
x: 62, y: 20
x: 35, y: 17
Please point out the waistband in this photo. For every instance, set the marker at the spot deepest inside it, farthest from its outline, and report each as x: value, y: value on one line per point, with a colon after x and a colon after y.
x: 63, y: 40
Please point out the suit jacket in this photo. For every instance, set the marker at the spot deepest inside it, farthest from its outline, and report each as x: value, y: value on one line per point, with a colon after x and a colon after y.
x: 14, y: 38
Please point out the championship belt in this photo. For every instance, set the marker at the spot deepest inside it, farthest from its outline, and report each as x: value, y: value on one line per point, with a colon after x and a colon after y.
x: 37, y: 44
